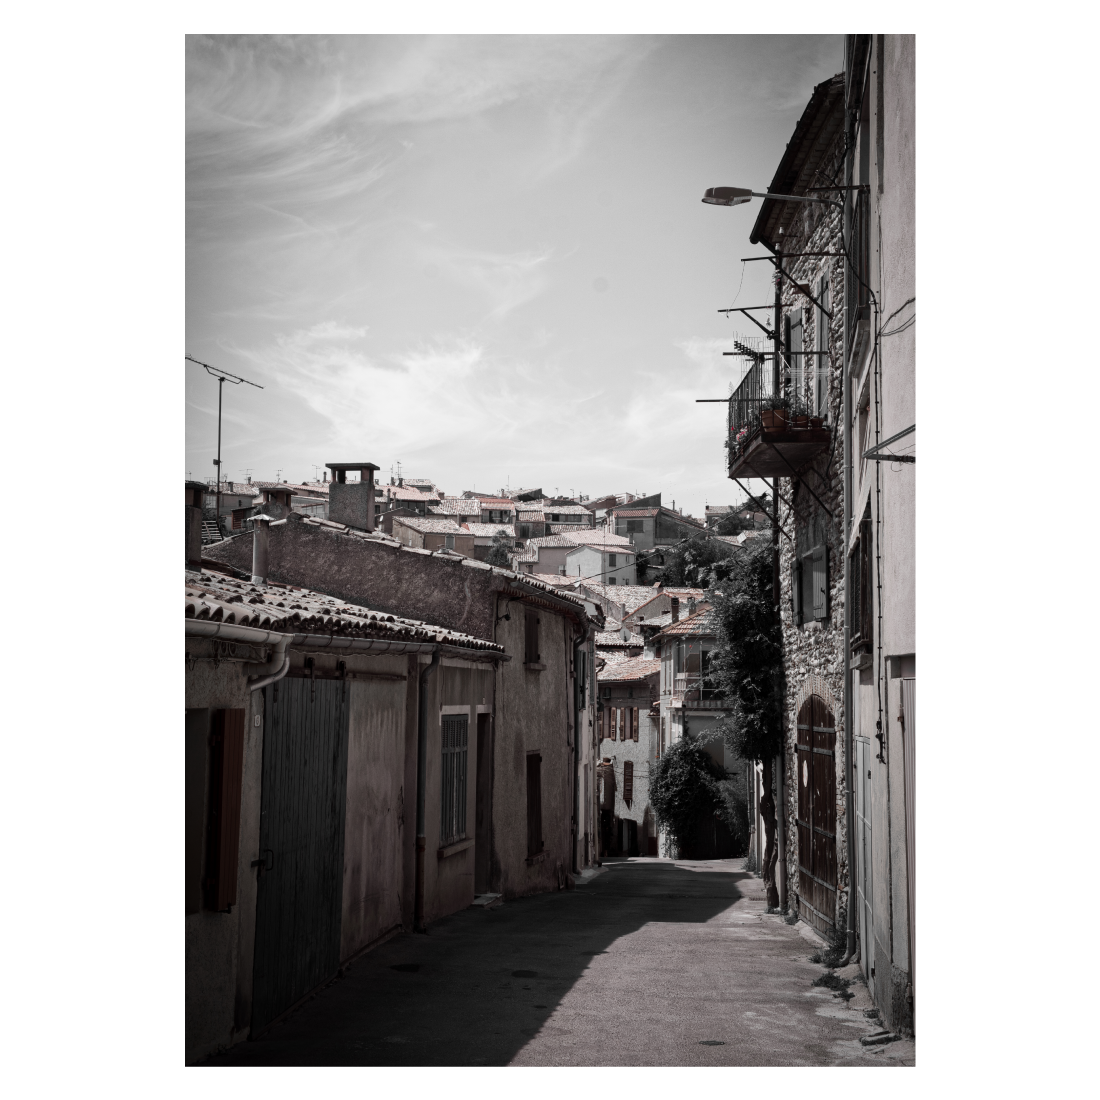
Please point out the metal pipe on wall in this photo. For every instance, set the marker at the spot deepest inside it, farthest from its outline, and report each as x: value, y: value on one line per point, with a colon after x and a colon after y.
x: 421, y: 775
x: 846, y: 413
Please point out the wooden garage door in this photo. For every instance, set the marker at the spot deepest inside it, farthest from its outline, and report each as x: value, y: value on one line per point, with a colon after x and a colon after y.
x: 817, y: 814
x: 300, y: 891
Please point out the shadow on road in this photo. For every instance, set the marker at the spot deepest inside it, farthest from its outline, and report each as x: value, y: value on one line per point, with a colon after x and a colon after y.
x: 481, y: 983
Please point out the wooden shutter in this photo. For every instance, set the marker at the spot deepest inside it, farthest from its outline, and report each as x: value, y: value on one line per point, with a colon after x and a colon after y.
x: 531, y: 637
x: 224, y: 829
x: 599, y: 722
x: 635, y: 723
x: 628, y: 782
x: 806, y: 586
x: 821, y: 581
x: 796, y: 591
x: 534, y: 804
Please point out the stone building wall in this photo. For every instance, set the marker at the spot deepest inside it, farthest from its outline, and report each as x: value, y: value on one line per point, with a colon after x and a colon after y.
x: 813, y: 653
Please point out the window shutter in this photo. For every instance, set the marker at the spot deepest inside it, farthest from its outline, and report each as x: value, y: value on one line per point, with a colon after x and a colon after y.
x: 806, y: 586
x: 628, y: 782
x: 531, y: 637
x: 635, y: 723
x: 612, y: 723
x: 796, y: 591
x: 534, y: 804
x: 223, y: 837
x: 599, y: 722
x: 821, y: 581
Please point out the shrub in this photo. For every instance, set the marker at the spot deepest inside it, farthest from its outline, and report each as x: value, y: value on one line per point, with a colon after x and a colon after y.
x: 684, y: 789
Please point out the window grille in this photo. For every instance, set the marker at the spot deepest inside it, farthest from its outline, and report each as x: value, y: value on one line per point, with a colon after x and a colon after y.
x: 455, y: 738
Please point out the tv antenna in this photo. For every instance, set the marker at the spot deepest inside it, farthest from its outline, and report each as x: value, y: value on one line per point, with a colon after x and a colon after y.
x: 222, y: 376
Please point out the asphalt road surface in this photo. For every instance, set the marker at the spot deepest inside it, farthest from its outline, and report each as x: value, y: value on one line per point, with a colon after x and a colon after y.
x: 652, y: 962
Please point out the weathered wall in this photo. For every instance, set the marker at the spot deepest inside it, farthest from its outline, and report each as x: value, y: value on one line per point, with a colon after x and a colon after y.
x: 218, y: 946
x: 374, y: 827
x: 352, y: 502
x: 534, y: 714
x: 450, y: 592
x: 814, y: 652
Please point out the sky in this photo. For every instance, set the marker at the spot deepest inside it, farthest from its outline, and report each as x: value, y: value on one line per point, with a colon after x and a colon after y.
x: 482, y: 257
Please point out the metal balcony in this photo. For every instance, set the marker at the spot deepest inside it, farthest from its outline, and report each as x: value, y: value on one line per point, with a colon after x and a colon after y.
x: 781, y: 451
x: 694, y: 692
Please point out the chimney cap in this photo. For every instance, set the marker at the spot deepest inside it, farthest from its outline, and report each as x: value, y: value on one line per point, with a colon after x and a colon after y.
x: 264, y: 516
x: 352, y: 466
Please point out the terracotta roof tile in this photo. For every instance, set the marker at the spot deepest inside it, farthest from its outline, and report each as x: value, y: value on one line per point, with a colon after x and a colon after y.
x: 212, y: 596
x: 633, y: 668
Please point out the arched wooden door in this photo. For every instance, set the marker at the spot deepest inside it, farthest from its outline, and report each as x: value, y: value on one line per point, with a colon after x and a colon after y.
x: 817, y: 814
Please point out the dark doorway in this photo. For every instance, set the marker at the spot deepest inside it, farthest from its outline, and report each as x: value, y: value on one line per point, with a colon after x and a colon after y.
x: 817, y: 814
x: 300, y: 892
x: 483, y: 803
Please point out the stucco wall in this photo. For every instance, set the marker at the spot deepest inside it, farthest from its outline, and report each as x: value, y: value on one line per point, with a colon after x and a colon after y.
x: 443, y: 591
x: 218, y: 946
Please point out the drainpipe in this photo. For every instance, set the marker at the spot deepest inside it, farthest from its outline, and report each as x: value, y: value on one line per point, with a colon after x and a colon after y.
x: 846, y: 413
x: 421, y: 769
x: 275, y: 668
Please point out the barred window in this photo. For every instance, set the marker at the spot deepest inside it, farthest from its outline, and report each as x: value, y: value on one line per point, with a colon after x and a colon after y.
x: 455, y: 736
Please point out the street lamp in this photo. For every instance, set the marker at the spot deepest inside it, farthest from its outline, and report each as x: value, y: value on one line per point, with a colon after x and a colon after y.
x: 735, y: 196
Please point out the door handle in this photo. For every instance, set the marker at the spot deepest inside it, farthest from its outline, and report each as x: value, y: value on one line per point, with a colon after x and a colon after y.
x: 264, y: 866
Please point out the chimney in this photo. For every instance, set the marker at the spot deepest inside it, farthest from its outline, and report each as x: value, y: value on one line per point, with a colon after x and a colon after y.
x: 194, y: 493
x: 352, y: 502
x: 675, y: 609
x: 259, y: 548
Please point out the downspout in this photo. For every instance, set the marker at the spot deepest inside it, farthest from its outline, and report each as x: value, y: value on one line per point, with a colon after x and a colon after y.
x: 846, y: 413
x: 277, y: 665
x: 421, y: 770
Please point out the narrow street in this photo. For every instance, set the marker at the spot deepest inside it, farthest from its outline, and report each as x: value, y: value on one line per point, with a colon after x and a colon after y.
x: 650, y: 962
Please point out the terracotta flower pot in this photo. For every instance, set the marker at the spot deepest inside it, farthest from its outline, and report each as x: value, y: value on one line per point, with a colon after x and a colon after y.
x: 774, y: 420
x: 801, y: 421
x: 817, y: 421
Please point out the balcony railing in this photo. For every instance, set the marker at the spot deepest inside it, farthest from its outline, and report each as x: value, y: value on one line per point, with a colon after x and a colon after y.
x: 694, y: 690
x: 784, y: 448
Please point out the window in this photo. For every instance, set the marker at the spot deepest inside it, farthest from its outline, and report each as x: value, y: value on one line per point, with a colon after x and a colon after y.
x: 612, y: 561
x: 448, y: 542
x: 664, y: 733
x: 611, y: 580
x: 534, y: 804
x: 628, y: 782
x: 821, y: 361
x: 599, y: 722
x: 612, y: 723
x: 810, y: 585
x: 792, y: 333
x: 634, y: 525
x: 454, y: 736
x: 634, y: 722
x: 531, y: 637
x: 862, y: 602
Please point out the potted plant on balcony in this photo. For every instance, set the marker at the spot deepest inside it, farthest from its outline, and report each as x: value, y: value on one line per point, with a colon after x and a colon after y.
x: 799, y: 413
x: 775, y: 413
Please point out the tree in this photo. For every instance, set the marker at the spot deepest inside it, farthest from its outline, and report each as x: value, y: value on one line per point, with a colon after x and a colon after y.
x: 697, y: 562
x: 500, y: 550
x: 685, y: 789
x: 731, y: 524
x: 747, y: 665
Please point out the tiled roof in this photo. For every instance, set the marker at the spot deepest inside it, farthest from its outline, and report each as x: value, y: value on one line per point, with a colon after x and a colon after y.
x: 686, y: 593
x: 555, y: 579
x: 589, y: 536
x: 739, y: 540
x: 564, y: 528
x: 615, y: 638
x: 497, y: 504
x: 633, y: 668
x: 487, y: 530
x: 398, y: 492
x: 457, y: 506
x: 217, y: 598
x: 548, y: 540
x: 566, y: 509
x: 627, y: 596
x: 634, y: 513
x: 432, y: 525
x: 704, y: 621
